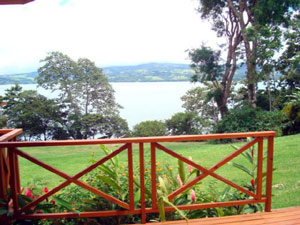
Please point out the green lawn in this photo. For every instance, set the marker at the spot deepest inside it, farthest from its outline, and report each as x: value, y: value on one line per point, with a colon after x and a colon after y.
x: 72, y: 159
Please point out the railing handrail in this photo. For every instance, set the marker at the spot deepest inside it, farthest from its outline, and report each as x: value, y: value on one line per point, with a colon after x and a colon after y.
x: 8, y: 134
x: 138, y: 139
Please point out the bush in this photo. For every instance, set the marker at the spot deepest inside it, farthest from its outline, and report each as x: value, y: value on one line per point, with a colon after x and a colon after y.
x: 251, y: 119
x: 292, y: 111
x: 150, y: 128
x: 185, y: 123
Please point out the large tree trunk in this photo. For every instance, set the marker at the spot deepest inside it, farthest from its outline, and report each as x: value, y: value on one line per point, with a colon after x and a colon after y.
x: 251, y: 72
x: 222, y: 106
x: 249, y: 44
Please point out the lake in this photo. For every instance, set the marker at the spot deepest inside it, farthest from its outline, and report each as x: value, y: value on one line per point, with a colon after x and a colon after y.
x: 141, y: 101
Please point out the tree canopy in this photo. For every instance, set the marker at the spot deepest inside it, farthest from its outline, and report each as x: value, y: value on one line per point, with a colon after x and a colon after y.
x: 34, y: 113
x: 87, y: 99
x: 257, y: 38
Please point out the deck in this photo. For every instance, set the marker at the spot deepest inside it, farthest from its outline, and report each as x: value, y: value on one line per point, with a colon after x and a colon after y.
x: 285, y: 216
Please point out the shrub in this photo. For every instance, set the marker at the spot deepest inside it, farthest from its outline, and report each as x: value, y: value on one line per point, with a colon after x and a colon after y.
x: 150, y: 128
x: 185, y: 123
x: 292, y: 111
x: 251, y: 119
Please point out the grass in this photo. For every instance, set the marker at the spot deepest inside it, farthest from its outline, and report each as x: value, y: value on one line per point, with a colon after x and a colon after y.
x: 72, y: 159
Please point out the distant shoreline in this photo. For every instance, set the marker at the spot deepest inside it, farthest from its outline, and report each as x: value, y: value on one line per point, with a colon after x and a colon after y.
x: 156, y: 81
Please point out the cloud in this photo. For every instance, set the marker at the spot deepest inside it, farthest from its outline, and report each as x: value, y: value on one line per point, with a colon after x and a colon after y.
x: 110, y: 32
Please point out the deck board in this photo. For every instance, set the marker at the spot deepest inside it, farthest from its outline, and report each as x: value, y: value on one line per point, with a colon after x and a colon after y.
x: 286, y: 216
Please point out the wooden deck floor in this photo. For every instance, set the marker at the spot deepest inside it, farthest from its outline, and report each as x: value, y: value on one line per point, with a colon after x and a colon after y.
x: 285, y: 216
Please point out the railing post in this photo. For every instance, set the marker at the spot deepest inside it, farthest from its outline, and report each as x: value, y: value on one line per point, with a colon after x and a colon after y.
x: 269, y: 174
x: 142, y: 182
x: 13, y: 182
x: 153, y: 176
x: 17, y: 171
x: 130, y: 178
x: 3, y: 183
x: 259, y: 168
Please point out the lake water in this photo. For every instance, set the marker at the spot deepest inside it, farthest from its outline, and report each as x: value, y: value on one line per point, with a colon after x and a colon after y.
x: 141, y: 101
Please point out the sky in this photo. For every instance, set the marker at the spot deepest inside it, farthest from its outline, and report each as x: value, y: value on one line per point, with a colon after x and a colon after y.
x: 108, y: 32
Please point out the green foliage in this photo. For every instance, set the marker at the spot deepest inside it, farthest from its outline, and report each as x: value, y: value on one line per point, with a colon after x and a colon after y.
x: 292, y: 110
x: 197, y: 100
x: 205, y: 63
x: 184, y: 123
x: 289, y: 61
x: 34, y: 113
x: 261, y: 34
x: 84, y: 92
x: 250, y: 119
x: 150, y: 128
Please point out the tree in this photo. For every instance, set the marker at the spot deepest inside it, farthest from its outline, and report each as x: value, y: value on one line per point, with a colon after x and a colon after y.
x: 87, y: 97
x: 207, y: 62
x: 197, y: 100
x: 150, y: 128
x: 289, y: 61
x: 32, y: 112
x: 258, y: 23
x: 184, y: 123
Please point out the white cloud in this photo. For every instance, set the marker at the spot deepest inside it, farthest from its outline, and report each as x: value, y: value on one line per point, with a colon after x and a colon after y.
x: 109, y: 32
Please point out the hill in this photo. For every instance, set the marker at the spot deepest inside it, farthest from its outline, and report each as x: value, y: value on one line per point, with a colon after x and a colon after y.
x: 149, y: 72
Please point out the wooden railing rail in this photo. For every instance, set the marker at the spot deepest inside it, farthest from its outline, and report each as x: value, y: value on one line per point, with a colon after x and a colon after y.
x: 13, y: 151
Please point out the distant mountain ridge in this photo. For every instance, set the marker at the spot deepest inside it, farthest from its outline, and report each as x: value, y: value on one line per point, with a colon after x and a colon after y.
x: 149, y: 72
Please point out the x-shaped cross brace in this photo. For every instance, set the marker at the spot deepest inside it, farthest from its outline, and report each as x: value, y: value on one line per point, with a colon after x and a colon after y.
x: 73, y: 179
x: 210, y: 171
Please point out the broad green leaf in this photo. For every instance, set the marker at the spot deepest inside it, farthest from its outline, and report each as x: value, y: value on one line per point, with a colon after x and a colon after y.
x: 163, y: 186
x: 241, y: 167
x: 235, y: 147
x: 110, y: 182
x: 107, y: 152
x: 116, y: 161
x: 181, y: 171
x: 107, y: 170
x: 247, y: 156
x: 137, y: 197
x: 63, y: 203
x: 161, y: 209
x: 104, y: 149
x: 166, y: 200
x: 93, y: 202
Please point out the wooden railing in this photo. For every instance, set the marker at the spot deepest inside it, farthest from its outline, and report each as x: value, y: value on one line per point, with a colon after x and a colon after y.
x: 7, y: 135
x: 10, y: 150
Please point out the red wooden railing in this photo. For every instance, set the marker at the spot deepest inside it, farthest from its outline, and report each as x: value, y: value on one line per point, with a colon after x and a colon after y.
x: 9, y: 170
